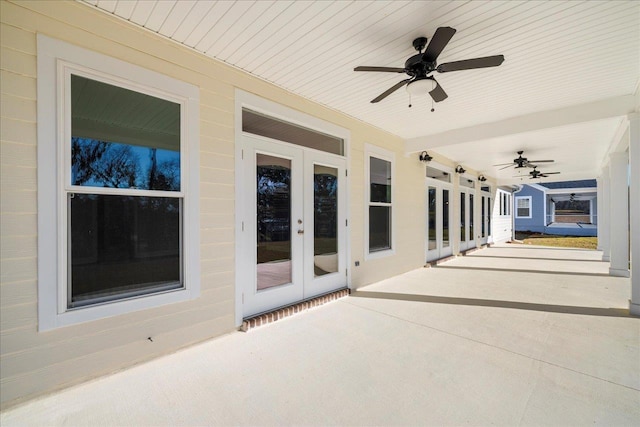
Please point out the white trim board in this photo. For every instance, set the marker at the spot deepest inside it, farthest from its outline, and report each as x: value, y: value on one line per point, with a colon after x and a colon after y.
x: 55, y: 59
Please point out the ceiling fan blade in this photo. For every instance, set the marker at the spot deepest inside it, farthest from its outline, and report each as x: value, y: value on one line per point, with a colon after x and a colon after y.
x: 541, y: 161
x: 389, y: 91
x: 551, y: 173
x: 504, y: 164
x: 438, y: 42
x: 468, y: 64
x: 508, y: 166
x: 380, y: 69
x: 438, y: 94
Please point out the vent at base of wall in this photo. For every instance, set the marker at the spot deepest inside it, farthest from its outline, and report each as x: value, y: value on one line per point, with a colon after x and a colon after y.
x: 290, y: 310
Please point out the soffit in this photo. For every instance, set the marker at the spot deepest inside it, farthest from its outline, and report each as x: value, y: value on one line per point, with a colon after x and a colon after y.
x: 558, y: 54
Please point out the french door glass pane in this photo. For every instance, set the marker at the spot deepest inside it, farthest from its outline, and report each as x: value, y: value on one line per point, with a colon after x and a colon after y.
x: 325, y: 220
x: 123, y: 139
x: 122, y: 246
x: 273, y: 216
x: 489, y: 216
x: 432, y: 218
x: 471, y: 235
x: 463, y: 236
x: 379, y: 228
x: 483, y: 216
x: 445, y: 218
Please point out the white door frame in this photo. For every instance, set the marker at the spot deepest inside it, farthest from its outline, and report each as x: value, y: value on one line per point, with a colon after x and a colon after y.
x: 254, y: 300
x: 248, y: 100
x: 318, y: 285
x: 470, y: 241
x: 485, y: 217
x: 439, y: 251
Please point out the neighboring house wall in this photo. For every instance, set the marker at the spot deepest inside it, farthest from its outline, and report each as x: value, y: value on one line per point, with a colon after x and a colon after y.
x: 34, y: 363
x: 537, y: 221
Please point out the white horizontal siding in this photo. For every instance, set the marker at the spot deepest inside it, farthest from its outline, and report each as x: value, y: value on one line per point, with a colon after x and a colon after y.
x: 33, y: 363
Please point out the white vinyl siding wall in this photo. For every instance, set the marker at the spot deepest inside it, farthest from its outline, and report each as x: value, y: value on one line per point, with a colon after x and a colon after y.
x: 34, y: 363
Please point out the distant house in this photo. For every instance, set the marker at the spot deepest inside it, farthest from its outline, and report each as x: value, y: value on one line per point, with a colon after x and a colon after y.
x: 563, y: 208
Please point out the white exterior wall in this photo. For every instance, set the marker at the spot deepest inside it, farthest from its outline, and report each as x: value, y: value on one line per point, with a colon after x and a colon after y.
x: 33, y: 363
x: 501, y: 225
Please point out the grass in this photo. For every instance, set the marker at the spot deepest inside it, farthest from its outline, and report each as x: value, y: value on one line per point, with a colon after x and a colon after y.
x: 557, y: 241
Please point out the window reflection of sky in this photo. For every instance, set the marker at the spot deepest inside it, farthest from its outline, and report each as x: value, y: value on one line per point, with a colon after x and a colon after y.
x: 110, y: 164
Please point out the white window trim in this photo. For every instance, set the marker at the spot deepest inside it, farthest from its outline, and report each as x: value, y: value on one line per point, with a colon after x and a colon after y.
x: 379, y: 153
x: 530, y: 207
x: 54, y: 62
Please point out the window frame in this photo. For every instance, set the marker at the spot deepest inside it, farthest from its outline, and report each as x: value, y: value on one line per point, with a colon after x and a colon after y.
x: 385, y: 155
x: 56, y: 62
x: 530, y: 199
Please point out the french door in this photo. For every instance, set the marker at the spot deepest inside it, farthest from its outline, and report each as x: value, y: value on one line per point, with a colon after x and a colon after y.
x: 438, y: 220
x: 294, y: 224
x: 485, y: 217
x: 467, y: 232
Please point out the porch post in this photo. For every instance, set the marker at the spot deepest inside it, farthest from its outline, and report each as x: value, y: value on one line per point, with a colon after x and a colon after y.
x: 619, y: 219
x: 604, y: 211
x: 634, y: 203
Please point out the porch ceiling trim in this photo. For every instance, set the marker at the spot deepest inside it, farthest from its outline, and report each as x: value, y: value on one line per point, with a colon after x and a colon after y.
x: 604, y: 109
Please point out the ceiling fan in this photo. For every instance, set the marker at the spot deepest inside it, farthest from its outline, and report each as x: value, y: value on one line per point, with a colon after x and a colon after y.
x: 420, y: 66
x: 535, y: 173
x: 522, y: 162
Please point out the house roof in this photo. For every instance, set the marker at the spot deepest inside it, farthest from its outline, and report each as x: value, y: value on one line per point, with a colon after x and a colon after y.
x: 569, y: 79
x: 585, y: 183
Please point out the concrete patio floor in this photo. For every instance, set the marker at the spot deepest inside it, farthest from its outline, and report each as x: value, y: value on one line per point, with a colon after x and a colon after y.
x: 509, y: 335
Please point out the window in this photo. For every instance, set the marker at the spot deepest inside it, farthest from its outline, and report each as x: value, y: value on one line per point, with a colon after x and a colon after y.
x: 125, y: 231
x: 261, y: 124
x: 379, y: 222
x: 523, y: 207
x: 504, y: 203
x: 438, y: 174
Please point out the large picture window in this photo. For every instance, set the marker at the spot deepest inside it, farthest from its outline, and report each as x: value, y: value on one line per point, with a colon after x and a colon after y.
x: 379, y: 180
x: 116, y: 176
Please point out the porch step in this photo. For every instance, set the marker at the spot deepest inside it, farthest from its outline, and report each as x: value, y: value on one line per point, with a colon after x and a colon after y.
x: 290, y: 310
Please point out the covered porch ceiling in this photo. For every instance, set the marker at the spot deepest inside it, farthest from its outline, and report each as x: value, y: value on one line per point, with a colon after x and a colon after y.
x: 569, y: 78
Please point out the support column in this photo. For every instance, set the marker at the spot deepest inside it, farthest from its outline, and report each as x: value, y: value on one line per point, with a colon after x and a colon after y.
x: 604, y: 212
x: 619, y: 219
x: 634, y: 203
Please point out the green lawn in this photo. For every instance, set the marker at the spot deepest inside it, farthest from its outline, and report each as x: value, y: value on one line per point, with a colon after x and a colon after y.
x: 557, y: 241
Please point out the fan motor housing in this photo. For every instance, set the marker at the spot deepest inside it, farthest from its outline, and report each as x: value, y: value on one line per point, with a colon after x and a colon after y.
x: 415, y: 66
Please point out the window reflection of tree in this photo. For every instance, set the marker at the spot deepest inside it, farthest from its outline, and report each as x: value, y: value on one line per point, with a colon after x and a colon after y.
x: 274, y: 204
x: 114, y: 165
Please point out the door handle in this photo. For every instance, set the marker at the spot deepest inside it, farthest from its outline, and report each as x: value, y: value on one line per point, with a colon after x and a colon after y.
x: 300, y: 231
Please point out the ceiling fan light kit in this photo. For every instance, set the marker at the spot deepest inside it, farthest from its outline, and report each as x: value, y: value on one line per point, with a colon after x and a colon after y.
x: 419, y: 67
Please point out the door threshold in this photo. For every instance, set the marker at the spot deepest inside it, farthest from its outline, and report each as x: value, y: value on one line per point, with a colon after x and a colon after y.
x: 289, y: 310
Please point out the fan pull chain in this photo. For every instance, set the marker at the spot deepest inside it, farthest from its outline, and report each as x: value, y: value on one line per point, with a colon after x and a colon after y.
x: 409, y: 99
x: 432, y: 109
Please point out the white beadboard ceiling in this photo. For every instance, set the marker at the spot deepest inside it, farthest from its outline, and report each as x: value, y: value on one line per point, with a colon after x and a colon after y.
x: 564, y: 56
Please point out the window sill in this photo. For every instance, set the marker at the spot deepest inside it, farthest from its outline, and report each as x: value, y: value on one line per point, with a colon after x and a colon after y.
x: 87, y: 314
x: 379, y: 254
